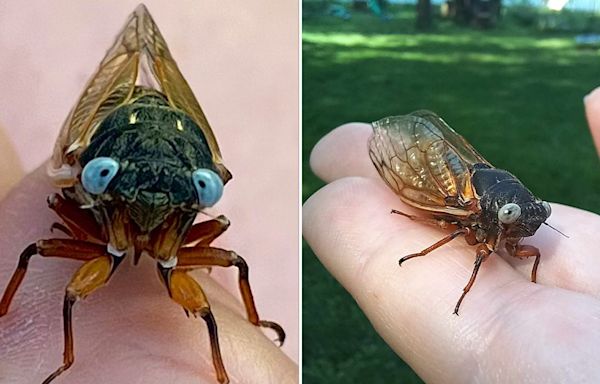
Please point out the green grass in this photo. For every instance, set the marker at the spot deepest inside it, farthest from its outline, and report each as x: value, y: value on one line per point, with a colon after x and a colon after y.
x: 515, y: 94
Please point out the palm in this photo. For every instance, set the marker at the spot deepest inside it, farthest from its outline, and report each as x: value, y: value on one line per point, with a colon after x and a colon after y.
x: 508, y: 327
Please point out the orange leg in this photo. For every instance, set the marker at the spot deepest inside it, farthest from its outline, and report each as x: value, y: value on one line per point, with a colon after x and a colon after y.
x: 208, y: 256
x: 77, y: 223
x: 90, y: 276
x: 185, y: 291
x: 516, y: 250
x: 427, y: 220
x: 205, y: 232
x: 482, y: 253
x: 445, y: 240
x: 62, y: 228
x: 64, y: 248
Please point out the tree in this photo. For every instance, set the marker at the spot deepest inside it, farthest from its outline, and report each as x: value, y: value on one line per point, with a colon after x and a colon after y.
x: 424, y: 14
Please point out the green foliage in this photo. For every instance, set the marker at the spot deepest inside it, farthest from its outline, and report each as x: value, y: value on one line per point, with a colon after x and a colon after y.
x: 568, y: 21
x: 515, y: 94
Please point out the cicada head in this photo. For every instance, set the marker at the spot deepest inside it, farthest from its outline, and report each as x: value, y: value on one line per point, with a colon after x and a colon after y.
x: 507, y: 206
x: 522, y: 219
x: 151, y: 161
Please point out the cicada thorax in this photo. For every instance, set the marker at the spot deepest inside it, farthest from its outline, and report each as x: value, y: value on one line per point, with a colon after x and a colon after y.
x: 151, y: 202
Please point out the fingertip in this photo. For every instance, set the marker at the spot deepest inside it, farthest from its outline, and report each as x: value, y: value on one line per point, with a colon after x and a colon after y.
x: 331, y: 227
x: 342, y: 152
x: 593, y: 95
x: 592, y: 111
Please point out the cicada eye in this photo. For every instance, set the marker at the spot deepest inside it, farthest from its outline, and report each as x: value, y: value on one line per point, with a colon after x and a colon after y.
x: 208, y: 185
x: 547, y: 207
x: 98, y: 173
x: 509, y: 213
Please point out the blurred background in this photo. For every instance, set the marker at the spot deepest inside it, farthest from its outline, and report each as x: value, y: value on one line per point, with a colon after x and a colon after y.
x: 510, y: 76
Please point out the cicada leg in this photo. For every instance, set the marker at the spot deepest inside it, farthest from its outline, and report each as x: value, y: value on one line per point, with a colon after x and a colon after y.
x: 185, y: 291
x: 77, y: 223
x: 516, y: 250
x: 63, y: 248
x: 205, y: 232
x: 444, y: 224
x: 482, y: 253
x: 62, y: 228
x: 89, y: 277
x: 208, y: 256
x: 445, y: 240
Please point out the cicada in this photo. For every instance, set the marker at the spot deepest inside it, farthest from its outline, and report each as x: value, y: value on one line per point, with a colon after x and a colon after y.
x: 136, y: 161
x: 434, y: 169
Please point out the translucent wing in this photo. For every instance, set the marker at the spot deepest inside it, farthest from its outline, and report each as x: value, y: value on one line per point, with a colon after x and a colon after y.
x: 425, y: 162
x: 139, y: 54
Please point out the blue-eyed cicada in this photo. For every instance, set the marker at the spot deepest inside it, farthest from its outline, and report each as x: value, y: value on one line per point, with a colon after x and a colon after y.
x: 136, y: 161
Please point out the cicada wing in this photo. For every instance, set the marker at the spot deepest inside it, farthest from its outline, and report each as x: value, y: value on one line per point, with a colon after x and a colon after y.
x: 111, y: 85
x: 138, y: 46
x: 172, y: 83
x: 465, y: 150
x: 425, y: 162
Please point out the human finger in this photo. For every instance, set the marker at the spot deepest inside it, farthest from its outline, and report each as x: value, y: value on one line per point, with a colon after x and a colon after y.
x: 565, y: 262
x: 571, y: 262
x: 11, y: 170
x: 503, y: 321
x: 592, y: 112
x: 343, y: 152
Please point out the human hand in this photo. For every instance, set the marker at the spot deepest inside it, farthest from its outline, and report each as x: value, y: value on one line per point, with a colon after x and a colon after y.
x: 128, y: 331
x: 11, y: 170
x: 509, y: 330
x: 592, y: 112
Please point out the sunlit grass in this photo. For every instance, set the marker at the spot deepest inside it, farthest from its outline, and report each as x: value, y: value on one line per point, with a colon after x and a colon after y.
x: 468, y: 37
x: 469, y: 47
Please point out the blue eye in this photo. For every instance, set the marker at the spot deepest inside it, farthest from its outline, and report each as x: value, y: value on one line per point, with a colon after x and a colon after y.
x: 98, y: 173
x: 208, y: 185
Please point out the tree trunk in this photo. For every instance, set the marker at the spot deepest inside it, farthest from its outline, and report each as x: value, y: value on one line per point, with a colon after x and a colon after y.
x: 424, y: 17
x: 463, y: 12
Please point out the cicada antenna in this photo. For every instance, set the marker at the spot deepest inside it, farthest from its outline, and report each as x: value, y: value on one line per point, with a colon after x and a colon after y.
x: 556, y: 230
x: 208, y: 214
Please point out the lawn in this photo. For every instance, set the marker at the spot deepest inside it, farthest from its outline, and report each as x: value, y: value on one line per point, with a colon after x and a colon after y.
x: 515, y: 94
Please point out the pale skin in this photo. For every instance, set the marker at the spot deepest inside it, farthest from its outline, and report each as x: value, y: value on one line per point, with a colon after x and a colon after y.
x: 509, y: 329
x: 127, y: 332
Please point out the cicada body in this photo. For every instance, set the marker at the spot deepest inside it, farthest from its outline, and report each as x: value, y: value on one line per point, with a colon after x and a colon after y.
x: 137, y: 161
x: 436, y: 170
